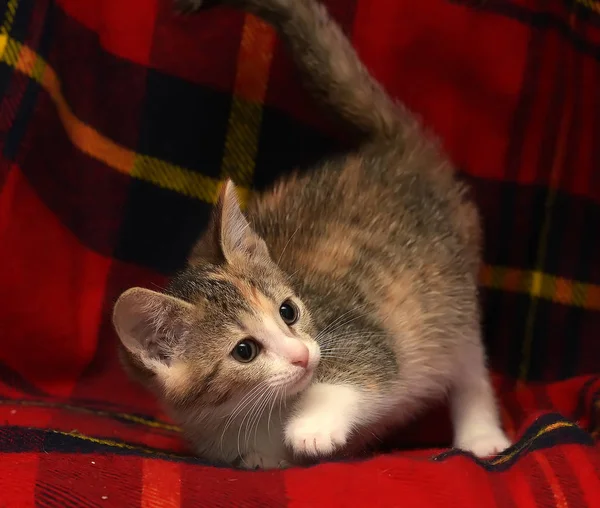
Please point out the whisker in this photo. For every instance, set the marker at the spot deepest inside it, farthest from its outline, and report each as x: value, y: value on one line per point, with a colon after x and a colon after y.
x: 345, y: 358
x: 347, y: 343
x: 329, y: 330
x: 248, y: 414
x: 254, y: 422
x: 280, y: 403
x: 251, y: 412
x: 249, y: 398
x: 245, y: 400
x: 262, y: 412
x: 287, y: 243
x: 326, y: 329
x: 351, y: 335
x: 237, y: 410
x: 271, y: 413
x: 291, y: 276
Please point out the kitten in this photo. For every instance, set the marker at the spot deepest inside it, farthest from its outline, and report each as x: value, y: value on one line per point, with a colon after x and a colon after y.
x: 342, y: 302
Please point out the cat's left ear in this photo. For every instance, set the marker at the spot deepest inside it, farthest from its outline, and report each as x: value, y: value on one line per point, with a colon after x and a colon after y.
x: 152, y: 326
x: 229, y: 236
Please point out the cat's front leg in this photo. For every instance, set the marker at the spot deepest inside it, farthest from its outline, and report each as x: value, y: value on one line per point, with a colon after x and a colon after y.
x: 323, y: 419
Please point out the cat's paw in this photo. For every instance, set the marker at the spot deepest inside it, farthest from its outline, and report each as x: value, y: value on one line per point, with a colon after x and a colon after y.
x: 485, y: 443
x: 316, y: 435
x: 255, y: 460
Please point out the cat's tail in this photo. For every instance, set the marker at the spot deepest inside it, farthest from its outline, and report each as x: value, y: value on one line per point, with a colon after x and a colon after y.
x: 324, y: 54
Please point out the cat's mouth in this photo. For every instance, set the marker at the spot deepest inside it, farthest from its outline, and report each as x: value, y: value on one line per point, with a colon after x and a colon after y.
x: 297, y: 384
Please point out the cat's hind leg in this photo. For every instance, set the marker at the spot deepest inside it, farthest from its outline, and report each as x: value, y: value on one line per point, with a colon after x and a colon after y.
x: 475, y: 414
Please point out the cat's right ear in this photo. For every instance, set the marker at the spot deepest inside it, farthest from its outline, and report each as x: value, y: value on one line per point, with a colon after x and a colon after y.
x: 229, y: 236
x: 152, y: 326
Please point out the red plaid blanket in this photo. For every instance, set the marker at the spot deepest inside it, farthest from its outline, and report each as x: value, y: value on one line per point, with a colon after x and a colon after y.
x: 117, y: 122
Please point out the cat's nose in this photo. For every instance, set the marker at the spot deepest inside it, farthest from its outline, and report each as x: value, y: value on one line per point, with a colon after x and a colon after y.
x: 300, y: 358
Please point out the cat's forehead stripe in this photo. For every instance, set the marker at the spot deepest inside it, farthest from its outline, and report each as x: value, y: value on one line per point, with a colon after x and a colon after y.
x: 254, y: 296
x: 248, y: 294
x: 265, y: 289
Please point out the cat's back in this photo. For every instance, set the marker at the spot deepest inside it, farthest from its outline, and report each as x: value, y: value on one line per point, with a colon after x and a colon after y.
x: 384, y: 202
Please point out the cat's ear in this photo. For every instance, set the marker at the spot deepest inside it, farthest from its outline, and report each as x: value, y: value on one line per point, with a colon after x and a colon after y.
x: 229, y: 236
x: 151, y: 326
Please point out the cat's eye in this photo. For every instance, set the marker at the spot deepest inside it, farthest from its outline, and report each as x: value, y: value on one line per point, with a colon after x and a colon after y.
x: 245, y: 351
x: 289, y: 312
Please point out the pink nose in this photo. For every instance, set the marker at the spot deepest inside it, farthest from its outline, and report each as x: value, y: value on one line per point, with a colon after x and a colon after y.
x: 300, y: 358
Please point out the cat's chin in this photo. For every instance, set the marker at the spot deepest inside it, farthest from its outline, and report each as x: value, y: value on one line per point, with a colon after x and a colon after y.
x: 296, y: 386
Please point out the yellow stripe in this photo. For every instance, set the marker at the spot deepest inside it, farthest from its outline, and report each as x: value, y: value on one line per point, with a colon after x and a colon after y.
x: 116, y: 444
x: 9, y: 18
x: 536, y: 288
x: 530, y: 441
x: 96, y: 412
x: 94, y: 144
x: 3, y: 43
x: 590, y: 4
x: 542, y: 285
x: 195, y: 185
x: 241, y: 143
x: 245, y: 117
x: 556, y: 171
x: 175, y: 177
x: 126, y: 446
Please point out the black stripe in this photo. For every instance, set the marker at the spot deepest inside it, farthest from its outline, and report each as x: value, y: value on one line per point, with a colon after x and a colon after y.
x: 527, y: 94
x: 539, y: 310
x: 15, y: 439
x: 26, y: 440
x: 29, y: 99
x: 6, y: 73
x: 21, y: 22
x: 577, y: 8
x: 509, y: 222
x: 582, y: 406
x: 528, y: 443
x: 120, y: 417
x: 540, y: 20
x: 595, y: 413
x: 13, y: 379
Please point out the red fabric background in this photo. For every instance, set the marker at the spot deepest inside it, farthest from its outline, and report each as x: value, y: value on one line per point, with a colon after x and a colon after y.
x: 117, y: 119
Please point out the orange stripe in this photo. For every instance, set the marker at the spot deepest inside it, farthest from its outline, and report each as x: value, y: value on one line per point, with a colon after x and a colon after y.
x: 593, y: 297
x: 245, y: 117
x: 161, y: 484
x: 541, y: 285
x: 88, y: 140
x: 254, y: 60
x: 523, y: 445
x: 557, y: 492
x: 82, y: 135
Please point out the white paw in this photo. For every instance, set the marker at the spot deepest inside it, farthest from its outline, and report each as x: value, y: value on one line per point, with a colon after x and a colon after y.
x: 255, y: 460
x: 316, y: 435
x: 484, y: 443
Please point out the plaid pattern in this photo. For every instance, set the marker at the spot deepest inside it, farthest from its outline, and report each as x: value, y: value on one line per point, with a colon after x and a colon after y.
x: 117, y: 122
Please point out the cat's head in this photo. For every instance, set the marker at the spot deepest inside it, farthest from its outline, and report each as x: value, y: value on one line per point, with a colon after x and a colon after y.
x: 228, y: 324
